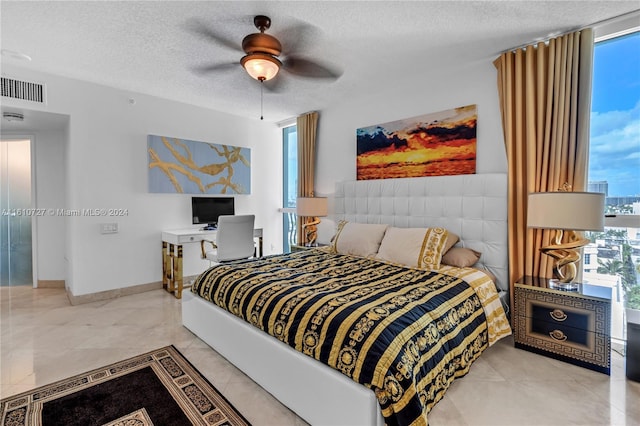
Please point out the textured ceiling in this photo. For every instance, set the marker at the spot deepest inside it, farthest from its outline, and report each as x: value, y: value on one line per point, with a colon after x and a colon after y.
x: 150, y: 46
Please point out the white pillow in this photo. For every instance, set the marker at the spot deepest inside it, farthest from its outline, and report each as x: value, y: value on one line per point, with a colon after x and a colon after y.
x: 358, y: 239
x: 414, y: 247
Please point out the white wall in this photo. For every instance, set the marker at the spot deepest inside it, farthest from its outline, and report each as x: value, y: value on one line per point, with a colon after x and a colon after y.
x: 441, y: 90
x: 50, y: 149
x: 107, y: 168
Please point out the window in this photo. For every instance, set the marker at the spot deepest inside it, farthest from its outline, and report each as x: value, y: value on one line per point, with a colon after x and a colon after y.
x: 289, y: 185
x: 614, y: 169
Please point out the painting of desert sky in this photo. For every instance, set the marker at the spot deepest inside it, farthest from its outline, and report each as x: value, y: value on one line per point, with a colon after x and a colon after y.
x: 442, y: 143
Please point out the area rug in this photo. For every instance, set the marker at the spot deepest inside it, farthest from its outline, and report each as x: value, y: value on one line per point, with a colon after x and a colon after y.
x: 157, y: 388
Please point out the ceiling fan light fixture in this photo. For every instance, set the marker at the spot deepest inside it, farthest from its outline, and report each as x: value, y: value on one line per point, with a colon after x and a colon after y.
x: 261, y: 66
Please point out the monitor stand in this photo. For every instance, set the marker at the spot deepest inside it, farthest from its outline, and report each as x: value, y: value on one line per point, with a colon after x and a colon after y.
x: 210, y: 227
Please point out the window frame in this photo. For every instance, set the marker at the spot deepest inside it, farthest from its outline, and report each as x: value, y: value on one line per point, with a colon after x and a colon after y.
x: 289, y: 223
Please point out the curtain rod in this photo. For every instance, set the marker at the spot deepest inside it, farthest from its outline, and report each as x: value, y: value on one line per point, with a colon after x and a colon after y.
x: 287, y: 122
x: 291, y: 121
x: 608, y: 21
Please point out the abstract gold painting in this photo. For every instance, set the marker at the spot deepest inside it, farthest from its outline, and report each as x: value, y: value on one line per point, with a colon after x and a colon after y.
x: 442, y: 143
x: 192, y: 167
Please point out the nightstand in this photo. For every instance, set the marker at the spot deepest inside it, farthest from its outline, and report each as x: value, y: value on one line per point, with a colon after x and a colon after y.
x: 572, y: 326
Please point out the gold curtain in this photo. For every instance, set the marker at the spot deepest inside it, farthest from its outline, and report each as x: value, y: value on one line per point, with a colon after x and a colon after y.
x: 306, y: 126
x: 545, y: 102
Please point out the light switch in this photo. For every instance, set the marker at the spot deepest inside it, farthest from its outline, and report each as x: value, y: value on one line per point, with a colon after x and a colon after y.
x: 108, y: 228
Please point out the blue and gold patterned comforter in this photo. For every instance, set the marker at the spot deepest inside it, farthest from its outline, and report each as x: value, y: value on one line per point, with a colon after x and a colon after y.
x: 405, y: 333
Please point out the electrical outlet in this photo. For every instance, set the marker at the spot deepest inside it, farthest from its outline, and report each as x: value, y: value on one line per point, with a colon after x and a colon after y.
x: 108, y: 228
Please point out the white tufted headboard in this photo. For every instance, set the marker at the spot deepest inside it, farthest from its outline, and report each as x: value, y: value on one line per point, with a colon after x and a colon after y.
x: 472, y: 206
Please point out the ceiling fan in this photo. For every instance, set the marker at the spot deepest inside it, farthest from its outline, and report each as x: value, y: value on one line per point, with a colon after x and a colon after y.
x: 262, y: 59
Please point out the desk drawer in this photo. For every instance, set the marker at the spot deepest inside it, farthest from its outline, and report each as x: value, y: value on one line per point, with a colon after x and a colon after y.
x: 184, y: 239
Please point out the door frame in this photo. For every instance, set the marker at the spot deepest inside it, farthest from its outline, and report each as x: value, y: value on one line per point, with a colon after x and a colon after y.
x: 34, y: 223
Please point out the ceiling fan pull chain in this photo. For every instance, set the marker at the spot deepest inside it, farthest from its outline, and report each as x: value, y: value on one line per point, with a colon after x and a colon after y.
x: 261, y: 97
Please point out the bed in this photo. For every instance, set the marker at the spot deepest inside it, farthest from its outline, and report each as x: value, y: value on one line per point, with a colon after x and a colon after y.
x: 328, y: 293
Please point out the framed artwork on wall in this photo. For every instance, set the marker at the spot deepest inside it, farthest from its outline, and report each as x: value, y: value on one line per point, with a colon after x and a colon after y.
x: 192, y: 167
x: 438, y: 144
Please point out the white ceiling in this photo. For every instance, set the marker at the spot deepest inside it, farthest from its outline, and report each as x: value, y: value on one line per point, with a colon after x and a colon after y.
x: 148, y: 46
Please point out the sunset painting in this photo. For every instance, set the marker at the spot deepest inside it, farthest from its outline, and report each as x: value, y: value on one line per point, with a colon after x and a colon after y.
x: 442, y: 143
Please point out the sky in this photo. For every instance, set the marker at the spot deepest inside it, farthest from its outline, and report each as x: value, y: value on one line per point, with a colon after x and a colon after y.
x: 615, y: 115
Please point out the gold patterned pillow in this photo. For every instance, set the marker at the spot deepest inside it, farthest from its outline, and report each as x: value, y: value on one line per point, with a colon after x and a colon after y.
x: 415, y: 247
x: 435, y: 240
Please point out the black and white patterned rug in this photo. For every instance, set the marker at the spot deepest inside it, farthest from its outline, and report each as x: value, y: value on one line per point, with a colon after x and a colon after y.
x: 157, y: 388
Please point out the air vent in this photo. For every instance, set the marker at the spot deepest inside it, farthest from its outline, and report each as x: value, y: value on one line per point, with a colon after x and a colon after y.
x: 24, y: 90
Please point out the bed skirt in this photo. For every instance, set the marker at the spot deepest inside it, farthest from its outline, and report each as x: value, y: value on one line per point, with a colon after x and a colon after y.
x: 314, y: 391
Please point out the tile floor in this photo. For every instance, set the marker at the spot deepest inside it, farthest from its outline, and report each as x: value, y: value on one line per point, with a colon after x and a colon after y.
x: 44, y: 338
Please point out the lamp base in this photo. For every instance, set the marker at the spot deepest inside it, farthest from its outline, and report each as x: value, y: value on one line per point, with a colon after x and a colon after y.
x: 559, y: 285
x: 567, y: 257
x: 310, y: 232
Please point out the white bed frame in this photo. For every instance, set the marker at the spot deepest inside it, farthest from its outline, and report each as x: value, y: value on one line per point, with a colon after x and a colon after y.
x: 472, y: 206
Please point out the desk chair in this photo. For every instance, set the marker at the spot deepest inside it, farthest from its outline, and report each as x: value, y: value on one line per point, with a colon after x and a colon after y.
x: 234, y: 239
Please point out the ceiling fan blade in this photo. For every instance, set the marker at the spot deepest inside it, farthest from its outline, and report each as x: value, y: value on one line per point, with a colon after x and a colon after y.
x: 206, y: 69
x: 204, y: 30
x: 302, y: 67
x: 298, y: 38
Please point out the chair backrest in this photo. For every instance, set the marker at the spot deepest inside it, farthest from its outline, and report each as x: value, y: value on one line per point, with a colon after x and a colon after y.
x: 234, y: 237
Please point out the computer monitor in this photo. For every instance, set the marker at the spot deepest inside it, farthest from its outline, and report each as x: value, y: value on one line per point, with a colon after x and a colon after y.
x: 205, y: 210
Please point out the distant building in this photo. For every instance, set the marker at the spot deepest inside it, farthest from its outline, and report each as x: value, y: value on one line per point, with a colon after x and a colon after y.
x: 599, y: 186
x: 590, y: 258
x: 603, y: 187
x: 609, y: 253
x: 622, y: 201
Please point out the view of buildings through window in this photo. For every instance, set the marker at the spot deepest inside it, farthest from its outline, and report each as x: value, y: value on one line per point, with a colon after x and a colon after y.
x: 289, y: 184
x: 613, y: 257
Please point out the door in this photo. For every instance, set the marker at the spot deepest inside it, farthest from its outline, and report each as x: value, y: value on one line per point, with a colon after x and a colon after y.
x: 15, y: 213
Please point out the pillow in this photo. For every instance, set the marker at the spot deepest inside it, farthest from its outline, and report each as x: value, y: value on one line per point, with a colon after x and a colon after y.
x: 461, y: 257
x: 452, y: 239
x: 359, y: 239
x: 415, y: 247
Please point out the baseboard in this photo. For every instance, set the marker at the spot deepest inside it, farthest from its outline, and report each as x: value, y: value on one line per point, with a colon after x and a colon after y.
x: 112, y: 294
x: 50, y: 283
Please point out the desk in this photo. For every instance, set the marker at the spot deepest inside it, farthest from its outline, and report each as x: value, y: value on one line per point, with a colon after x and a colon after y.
x: 172, y: 242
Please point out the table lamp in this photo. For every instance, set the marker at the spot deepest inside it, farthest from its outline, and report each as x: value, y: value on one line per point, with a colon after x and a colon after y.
x: 566, y: 211
x: 311, y: 207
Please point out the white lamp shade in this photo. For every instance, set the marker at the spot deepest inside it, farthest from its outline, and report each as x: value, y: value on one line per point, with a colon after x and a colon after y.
x: 311, y: 206
x: 576, y: 211
x: 261, y: 66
